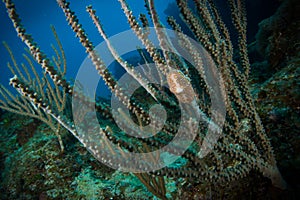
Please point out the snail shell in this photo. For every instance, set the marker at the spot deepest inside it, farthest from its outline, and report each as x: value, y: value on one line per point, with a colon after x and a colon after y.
x: 180, y: 86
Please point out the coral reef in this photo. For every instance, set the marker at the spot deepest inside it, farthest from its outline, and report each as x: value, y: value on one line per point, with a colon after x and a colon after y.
x: 242, y: 164
x: 277, y: 41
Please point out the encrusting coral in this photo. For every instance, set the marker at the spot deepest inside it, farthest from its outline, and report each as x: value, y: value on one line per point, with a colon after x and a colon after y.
x: 225, y: 147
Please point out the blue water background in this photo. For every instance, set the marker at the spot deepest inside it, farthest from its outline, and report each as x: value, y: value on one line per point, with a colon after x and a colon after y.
x: 38, y: 15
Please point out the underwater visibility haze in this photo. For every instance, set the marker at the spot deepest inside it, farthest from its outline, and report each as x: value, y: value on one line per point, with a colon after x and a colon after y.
x: 173, y: 99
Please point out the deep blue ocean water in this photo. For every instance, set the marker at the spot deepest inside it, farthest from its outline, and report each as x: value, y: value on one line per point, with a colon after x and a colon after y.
x: 37, y: 16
